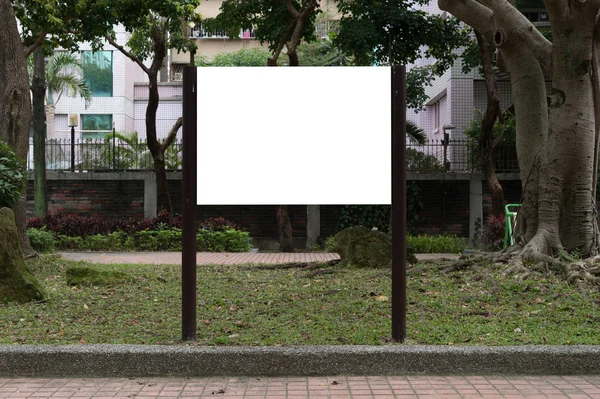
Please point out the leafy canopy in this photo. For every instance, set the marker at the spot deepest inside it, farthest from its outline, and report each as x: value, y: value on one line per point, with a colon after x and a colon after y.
x: 270, y: 19
x: 394, y: 32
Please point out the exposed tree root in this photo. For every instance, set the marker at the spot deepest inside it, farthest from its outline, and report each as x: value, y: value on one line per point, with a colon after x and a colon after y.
x: 317, y: 272
x: 523, y: 262
x: 299, y: 265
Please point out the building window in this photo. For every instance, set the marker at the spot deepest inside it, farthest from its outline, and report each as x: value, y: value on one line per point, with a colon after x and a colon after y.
x: 95, y: 126
x: 98, y: 73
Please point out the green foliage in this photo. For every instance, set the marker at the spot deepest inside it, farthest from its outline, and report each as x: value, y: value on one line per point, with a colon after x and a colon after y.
x: 41, y: 240
x: 436, y: 244
x: 270, y: 18
x: 63, y: 75
x: 414, y: 205
x: 419, y: 161
x: 165, y: 239
x: 244, y: 57
x: 415, y: 133
x: 321, y: 53
x: 505, y: 154
x: 380, y: 216
x: 393, y: 32
x: 417, y: 79
x: 366, y: 215
x: 12, y: 176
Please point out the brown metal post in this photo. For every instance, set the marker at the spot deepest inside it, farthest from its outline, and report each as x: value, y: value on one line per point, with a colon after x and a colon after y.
x: 399, y: 202
x: 188, y: 258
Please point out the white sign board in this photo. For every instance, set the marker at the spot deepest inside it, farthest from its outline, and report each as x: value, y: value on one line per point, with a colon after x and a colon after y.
x: 294, y: 136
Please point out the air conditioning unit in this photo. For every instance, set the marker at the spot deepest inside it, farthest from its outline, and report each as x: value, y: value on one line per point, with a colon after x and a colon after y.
x: 178, y: 76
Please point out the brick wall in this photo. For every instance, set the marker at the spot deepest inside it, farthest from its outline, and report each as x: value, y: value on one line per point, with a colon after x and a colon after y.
x: 445, y: 205
x: 111, y: 198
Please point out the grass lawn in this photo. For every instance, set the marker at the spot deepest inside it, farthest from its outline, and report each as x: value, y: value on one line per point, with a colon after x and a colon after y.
x: 241, y: 305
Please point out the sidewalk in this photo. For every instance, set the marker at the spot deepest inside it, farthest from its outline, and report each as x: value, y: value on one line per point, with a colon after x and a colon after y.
x: 219, y: 258
x: 574, y: 387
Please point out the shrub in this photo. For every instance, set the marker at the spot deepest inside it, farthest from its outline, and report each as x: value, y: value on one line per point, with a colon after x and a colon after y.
x: 41, y: 240
x: 77, y: 225
x: 217, y: 224
x: 12, y: 176
x: 158, y: 240
x: 492, y: 235
x: 436, y: 244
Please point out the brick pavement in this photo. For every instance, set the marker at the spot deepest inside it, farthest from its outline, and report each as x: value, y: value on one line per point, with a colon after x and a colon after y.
x: 573, y: 387
x: 220, y: 258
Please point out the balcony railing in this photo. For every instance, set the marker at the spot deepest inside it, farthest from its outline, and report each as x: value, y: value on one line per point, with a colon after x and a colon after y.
x: 198, y: 32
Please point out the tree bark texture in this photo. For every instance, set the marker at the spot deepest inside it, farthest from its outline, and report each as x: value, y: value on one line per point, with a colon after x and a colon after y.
x: 487, y: 143
x: 38, y: 89
x: 556, y: 130
x: 15, y: 104
x: 285, y: 229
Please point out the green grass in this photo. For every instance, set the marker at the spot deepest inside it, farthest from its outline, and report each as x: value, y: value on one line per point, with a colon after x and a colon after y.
x: 241, y: 305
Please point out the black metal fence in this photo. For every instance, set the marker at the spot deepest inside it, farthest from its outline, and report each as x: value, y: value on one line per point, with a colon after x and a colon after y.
x: 103, y: 155
x: 108, y: 154
x: 457, y: 156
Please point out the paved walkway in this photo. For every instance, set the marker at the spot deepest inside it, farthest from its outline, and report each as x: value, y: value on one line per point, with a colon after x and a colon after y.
x: 219, y: 258
x: 573, y: 387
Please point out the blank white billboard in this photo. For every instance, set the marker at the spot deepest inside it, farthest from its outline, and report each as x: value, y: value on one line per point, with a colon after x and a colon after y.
x: 294, y: 136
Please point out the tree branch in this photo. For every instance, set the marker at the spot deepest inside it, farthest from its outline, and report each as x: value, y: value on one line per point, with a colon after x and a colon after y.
x: 473, y: 14
x: 172, y: 134
x: 273, y: 60
x: 35, y: 45
x: 511, y: 20
x: 127, y: 53
x: 292, y: 9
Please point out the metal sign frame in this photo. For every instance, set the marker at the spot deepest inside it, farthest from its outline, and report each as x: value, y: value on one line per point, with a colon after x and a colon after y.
x: 189, y: 196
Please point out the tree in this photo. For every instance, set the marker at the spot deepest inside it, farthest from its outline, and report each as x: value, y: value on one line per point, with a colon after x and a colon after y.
x: 556, y: 131
x: 62, y: 74
x: 45, y: 26
x: 280, y: 23
x: 156, y: 26
x: 15, y: 104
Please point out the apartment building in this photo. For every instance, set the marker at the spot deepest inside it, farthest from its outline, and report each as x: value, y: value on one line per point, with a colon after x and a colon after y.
x: 119, y: 86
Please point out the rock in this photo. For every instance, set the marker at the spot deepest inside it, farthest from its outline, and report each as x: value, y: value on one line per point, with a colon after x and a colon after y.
x: 17, y: 284
x: 79, y: 275
x: 362, y: 247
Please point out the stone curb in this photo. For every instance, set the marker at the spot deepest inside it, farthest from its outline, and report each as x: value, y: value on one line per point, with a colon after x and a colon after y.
x: 190, y: 361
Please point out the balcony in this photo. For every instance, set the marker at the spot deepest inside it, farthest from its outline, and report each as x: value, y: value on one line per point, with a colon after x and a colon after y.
x: 199, y: 33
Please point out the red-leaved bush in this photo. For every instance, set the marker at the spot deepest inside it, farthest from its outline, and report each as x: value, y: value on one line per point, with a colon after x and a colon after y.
x: 492, y: 235
x: 83, y: 226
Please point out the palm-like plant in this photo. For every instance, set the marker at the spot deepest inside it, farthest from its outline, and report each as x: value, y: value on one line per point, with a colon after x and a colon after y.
x: 415, y: 133
x: 64, y: 73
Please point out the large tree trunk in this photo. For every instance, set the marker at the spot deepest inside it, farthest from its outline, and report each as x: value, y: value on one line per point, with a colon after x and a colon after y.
x: 556, y: 138
x: 15, y: 104
x: 38, y: 89
x: 285, y: 229
x: 487, y: 143
x: 157, y: 151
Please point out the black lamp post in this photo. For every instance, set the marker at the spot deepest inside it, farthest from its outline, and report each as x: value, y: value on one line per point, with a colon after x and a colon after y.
x: 446, y: 142
x: 73, y: 122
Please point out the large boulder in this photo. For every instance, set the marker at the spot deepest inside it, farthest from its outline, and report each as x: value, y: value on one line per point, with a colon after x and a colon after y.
x: 362, y: 247
x: 17, y: 284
